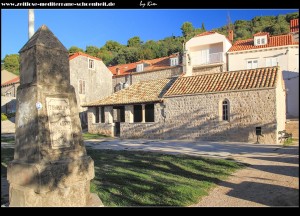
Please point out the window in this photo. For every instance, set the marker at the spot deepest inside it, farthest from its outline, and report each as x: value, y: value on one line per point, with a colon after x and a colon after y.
x: 139, y: 67
x: 263, y: 41
x: 102, y: 115
x: 174, y: 61
x: 225, y: 110
x: 81, y: 86
x: 97, y: 115
x: 271, y: 62
x: 149, y: 112
x: 91, y: 64
x: 258, y: 41
x: 137, y: 113
x: 252, y: 64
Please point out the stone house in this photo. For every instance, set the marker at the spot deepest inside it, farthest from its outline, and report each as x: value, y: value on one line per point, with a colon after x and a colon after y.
x: 8, y: 95
x: 91, y: 80
x: 125, y: 75
x: 206, y: 53
x: 9, y: 88
x: 264, y: 50
x: 226, y: 106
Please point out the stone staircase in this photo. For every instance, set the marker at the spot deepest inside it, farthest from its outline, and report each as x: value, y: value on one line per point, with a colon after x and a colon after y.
x: 292, y: 126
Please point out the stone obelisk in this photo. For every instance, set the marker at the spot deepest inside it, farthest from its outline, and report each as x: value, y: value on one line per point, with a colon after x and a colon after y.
x: 50, y: 166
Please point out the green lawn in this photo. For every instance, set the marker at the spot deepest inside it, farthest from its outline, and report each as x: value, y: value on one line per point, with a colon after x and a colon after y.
x: 124, y: 178
x: 87, y: 136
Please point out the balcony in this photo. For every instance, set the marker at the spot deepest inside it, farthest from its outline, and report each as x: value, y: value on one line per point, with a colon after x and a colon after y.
x: 213, y: 58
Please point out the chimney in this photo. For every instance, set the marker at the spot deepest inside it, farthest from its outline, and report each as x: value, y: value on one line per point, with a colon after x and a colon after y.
x: 118, y: 71
x: 294, y: 25
x: 230, y: 35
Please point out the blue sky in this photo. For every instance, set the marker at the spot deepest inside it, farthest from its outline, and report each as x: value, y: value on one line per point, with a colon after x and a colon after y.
x: 84, y: 27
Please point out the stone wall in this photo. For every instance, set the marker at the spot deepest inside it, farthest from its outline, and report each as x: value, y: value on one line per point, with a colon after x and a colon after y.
x: 148, y: 130
x: 198, y: 117
x: 10, y: 90
x: 151, y: 75
x: 98, y: 81
x: 98, y: 128
x: 209, y: 69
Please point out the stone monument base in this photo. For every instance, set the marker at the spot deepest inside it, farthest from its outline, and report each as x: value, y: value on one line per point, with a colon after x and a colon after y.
x: 60, y: 183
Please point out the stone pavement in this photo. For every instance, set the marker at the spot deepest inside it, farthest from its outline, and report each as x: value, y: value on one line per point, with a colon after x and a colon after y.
x: 271, y: 178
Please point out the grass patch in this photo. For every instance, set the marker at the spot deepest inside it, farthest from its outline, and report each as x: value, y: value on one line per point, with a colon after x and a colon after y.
x: 87, y: 136
x: 8, y: 139
x: 3, y: 117
x: 124, y: 178
x: 289, y: 141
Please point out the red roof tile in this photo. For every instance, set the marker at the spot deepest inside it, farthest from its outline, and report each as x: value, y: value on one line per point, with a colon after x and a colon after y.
x: 74, y: 55
x: 294, y: 25
x: 154, y: 64
x: 225, y: 81
x: 273, y: 41
x: 261, y: 34
x: 205, y: 33
x: 14, y: 80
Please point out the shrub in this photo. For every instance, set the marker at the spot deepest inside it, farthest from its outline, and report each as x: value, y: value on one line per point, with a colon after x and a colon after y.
x: 3, y: 117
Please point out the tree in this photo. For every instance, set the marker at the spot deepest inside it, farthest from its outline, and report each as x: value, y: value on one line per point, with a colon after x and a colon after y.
x: 74, y: 49
x: 92, y: 50
x: 12, y: 63
x: 187, y: 28
x: 112, y: 46
x: 134, y: 42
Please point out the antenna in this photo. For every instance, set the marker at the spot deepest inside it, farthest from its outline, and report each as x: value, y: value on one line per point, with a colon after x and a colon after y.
x: 229, y: 23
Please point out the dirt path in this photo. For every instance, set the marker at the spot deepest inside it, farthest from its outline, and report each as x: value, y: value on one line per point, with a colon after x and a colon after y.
x: 271, y: 180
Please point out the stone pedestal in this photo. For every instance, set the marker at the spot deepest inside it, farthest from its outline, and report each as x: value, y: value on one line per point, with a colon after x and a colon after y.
x: 50, y: 166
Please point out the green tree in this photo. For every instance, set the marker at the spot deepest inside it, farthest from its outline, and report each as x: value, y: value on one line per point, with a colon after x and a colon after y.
x: 74, y: 49
x: 134, y: 42
x: 187, y: 28
x: 12, y: 63
x: 112, y: 46
x: 92, y: 50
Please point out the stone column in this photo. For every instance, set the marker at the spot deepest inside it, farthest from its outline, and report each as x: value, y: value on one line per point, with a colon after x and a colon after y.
x: 129, y: 113
x: 143, y: 114
x: 108, y: 112
x: 50, y: 166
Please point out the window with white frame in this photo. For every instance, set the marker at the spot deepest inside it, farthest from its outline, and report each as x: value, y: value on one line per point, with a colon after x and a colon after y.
x: 139, y: 67
x: 81, y: 86
x: 174, y: 61
x: 252, y: 64
x: 258, y: 41
x: 91, y: 64
x: 271, y: 62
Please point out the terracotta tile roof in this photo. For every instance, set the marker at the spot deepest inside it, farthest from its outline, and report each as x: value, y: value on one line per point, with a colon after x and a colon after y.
x: 74, y: 55
x: 141, y: 92
x: 294, y: 25
x: 205, y: 33
x: 225, y: 81
x: 261, y: 34
x: 273, y: 41
x: 14, y: 80
x: 154, y: 64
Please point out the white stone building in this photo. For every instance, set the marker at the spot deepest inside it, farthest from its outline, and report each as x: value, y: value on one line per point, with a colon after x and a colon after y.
x: 264, y: 50
x: 225, y: 106
x: 206, y: 53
